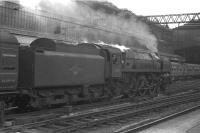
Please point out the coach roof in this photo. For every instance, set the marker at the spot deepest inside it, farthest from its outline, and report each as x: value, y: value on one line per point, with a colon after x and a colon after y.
x: 6, y: 37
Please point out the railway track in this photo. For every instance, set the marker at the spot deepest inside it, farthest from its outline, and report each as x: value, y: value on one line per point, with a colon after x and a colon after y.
x: 86, y: 119
x: 81, y: 107
x: 56, y: 112
x: 34, y: 116
x: 132, y: 128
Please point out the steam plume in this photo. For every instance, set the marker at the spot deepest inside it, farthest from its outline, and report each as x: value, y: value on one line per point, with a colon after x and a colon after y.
x: 125, y: 26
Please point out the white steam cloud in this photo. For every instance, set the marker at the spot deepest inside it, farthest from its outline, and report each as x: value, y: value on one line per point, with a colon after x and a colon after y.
x: 129, y: 30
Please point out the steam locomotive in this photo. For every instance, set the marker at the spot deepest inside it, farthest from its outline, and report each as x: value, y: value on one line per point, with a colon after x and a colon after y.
x: 49, y: 72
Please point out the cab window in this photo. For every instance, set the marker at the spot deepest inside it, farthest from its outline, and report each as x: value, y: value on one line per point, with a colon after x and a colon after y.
x: 115, y: 59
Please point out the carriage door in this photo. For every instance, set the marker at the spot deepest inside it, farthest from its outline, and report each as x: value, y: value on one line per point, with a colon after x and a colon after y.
x: 116, y: 65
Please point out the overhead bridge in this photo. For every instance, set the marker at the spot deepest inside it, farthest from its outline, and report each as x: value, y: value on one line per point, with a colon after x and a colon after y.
x: 173, y: 18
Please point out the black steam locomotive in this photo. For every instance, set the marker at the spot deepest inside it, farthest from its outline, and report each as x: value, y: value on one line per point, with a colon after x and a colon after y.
x: 48, y: 72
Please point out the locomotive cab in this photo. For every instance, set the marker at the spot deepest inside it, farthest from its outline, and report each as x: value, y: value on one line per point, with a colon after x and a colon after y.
x: 115, y: 61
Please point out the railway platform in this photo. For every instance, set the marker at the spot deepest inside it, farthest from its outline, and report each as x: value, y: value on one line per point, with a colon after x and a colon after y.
x: 188, y: 123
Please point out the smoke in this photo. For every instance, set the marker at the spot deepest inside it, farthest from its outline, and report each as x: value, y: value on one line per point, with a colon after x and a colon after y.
x: 126, y: 28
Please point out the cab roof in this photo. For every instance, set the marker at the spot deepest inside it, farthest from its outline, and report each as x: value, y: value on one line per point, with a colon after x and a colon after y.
x: 105, y: 47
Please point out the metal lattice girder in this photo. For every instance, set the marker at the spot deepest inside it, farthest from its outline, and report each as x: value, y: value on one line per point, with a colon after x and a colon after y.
x: 173, y: 18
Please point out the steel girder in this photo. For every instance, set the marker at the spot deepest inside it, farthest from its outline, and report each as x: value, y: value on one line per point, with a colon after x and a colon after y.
x: 173, y: 18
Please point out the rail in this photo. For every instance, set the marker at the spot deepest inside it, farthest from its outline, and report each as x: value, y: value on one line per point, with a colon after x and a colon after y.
x: 137, y: 127
x: 100, y: 116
